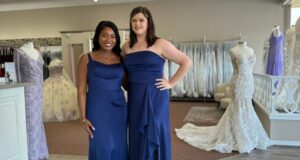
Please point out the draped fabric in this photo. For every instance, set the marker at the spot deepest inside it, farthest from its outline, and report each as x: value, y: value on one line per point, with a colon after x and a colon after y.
x: 211, y: 65
x: 148, y: 107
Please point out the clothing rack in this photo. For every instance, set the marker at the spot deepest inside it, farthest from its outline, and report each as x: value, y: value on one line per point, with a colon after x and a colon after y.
x: 204, y: 40
x: 218, y: 52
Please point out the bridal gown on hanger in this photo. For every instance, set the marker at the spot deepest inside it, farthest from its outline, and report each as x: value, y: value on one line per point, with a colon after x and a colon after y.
x: 239, y: 129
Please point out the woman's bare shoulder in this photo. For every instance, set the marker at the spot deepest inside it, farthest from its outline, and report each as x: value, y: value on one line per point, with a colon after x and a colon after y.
x: 84, y: 57
x: 125, y: 48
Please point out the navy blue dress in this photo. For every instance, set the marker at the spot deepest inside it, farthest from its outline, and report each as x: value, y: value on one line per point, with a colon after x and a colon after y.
x: 107, y: 111
x: 149, y: 125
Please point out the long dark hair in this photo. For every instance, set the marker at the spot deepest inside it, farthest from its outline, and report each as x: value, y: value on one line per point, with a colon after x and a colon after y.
x: 150, y: 37
x: 99, y: 28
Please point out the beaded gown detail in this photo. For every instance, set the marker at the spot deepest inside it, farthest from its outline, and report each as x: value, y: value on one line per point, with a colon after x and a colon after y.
x: 239, y: 129
x: 31, y: 70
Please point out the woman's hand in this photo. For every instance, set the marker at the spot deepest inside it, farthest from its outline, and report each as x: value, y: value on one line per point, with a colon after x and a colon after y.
x: 163, y: 84
x: 87, y: 125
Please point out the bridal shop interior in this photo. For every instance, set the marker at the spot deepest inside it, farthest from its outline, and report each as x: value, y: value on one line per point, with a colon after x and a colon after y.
x: 204, y: 99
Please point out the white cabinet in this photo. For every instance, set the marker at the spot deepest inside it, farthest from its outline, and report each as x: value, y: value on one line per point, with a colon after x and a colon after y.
x: 13, y: 138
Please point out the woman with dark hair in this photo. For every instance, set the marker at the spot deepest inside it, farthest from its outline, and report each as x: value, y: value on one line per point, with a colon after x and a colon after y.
x: 102, y: 105
x: 148, y: 97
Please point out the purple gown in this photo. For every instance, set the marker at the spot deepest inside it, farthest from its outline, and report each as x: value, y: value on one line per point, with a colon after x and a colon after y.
x: 275, y: 56
x: 30, y: 70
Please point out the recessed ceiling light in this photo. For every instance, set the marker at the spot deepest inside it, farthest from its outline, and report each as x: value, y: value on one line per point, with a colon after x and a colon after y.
x: 95, y: 0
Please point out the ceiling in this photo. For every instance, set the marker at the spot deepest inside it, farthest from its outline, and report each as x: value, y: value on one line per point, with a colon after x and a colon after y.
x: 12, y: 5
x: 293, y: 3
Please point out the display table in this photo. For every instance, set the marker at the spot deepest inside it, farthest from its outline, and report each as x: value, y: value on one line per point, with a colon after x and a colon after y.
x: 13, y: 137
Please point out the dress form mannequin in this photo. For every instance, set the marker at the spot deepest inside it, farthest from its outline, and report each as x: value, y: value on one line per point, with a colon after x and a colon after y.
x: 29, y: 49
x: 59, y: 100
x: 239, y: 129
x: 276, y: 31
x: 29, y: 67
x: 241, y: 49
x: 275, y: 53
x: 291, y: 63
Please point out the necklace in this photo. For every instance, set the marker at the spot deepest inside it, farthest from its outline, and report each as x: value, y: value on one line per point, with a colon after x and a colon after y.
x: 107, y: 56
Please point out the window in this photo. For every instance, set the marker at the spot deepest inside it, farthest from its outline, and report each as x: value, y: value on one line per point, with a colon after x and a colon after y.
x: 295, y: 14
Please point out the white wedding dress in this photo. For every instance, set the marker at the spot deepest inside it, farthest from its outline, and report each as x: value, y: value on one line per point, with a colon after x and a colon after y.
x: 60, y: 95
x: 239, y: 129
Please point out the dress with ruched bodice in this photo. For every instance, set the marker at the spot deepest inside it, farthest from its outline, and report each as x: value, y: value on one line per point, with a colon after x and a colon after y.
x: 149, y: 128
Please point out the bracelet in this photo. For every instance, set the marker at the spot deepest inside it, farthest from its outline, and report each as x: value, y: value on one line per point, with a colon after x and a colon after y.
x: 83, y: 120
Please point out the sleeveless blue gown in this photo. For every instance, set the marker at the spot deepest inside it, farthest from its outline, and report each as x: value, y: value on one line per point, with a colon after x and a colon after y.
x: 107, y: 111
x: 149, y: 125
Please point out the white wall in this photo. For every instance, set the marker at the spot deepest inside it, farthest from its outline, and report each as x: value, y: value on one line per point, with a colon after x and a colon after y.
x: 181, y: 20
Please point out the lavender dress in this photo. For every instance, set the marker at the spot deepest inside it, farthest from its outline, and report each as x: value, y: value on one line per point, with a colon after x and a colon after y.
x: 29, y: 69
x: 275, y: 55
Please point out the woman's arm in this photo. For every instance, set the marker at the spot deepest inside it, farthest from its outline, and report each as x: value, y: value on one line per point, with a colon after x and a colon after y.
x: 81, y: 92
x: 82, y: 85
x: 170, y: 52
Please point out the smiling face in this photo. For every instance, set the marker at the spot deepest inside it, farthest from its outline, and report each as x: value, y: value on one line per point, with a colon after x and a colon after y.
x: 139, y: 24
x: 107, y: 39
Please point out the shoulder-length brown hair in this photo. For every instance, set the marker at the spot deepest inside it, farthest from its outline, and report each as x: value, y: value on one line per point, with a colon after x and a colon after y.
x: 150, y: 37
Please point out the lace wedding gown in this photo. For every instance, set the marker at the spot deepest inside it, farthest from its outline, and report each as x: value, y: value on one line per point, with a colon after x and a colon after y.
x: 239, y: 129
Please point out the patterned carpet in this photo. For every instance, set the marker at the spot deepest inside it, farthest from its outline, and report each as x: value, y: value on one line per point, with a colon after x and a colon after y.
x: 203, y: 115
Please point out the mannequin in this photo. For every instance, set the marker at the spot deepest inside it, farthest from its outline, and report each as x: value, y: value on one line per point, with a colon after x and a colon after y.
x: 239, y: 129
x: 29, y: 67
x: 276, y: 31
x: 241, y: 49
x: 60, y: 95
x: 29, y: 49
x: 275, y: 53
x: 291, y: 66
